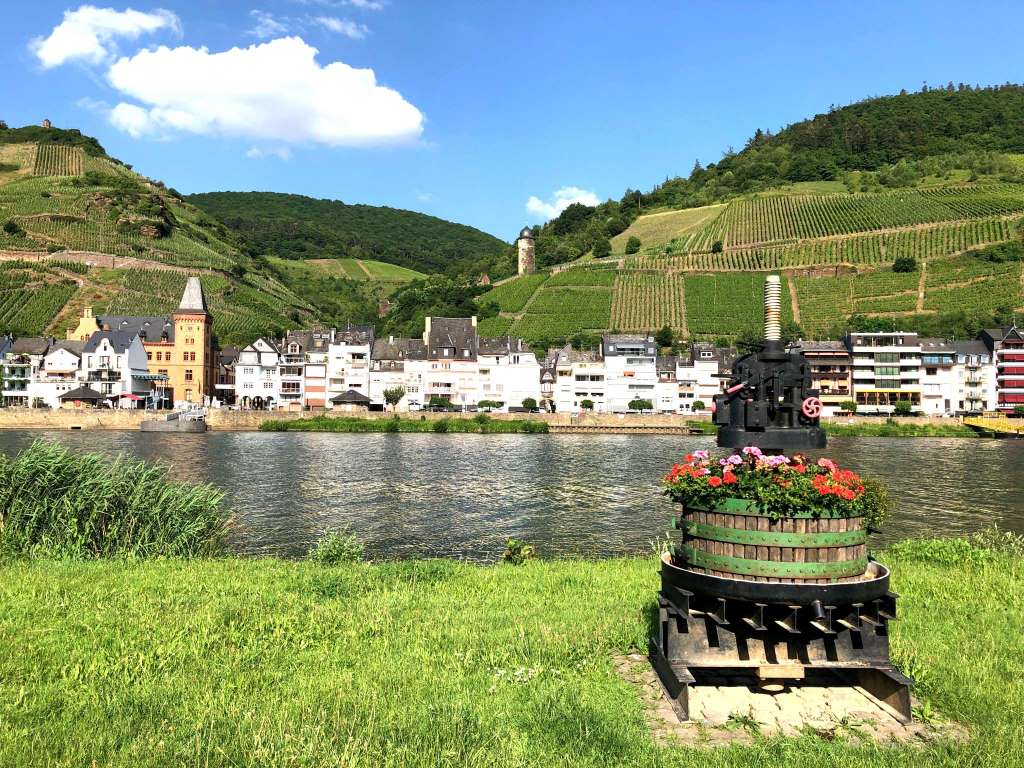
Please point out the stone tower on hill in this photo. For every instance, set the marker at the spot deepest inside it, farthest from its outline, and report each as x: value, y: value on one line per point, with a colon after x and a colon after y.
x: 527, y: 259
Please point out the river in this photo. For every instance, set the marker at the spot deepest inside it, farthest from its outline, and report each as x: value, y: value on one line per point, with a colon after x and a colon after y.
x: 420, y: 495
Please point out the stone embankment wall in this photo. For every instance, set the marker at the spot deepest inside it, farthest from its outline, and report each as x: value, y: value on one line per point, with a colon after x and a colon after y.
x: 241, y: 421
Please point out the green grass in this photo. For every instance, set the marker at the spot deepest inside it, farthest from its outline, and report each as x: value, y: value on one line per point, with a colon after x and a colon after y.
x: 895, y: 428
x: 57, y: 502
x: 233, y: 662
x: 513, y: 295
x: 480, y: 424
x: 656, y: 230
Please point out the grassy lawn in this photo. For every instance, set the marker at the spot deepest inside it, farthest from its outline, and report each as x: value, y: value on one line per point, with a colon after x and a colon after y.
x: 232, y: 662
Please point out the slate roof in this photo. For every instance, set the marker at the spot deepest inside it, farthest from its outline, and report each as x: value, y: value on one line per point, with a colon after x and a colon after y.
x: 399, y: 349
x: 30, y: 345
x: 502, y: 345
x: 119, y: 340
x: 456, y: 333
x: 354, y: 334
x: 228, y: 355
x: 76, y: 348
x: 5, y: 344
x: 193, y: 300
x: 935, y: 345
x: 828, y: 345
x: 568, y: 354
x: 666, y: 363
x: 971, y: 347
x: 351, y: 398
x: 82, y: 393
x: 150, y: 327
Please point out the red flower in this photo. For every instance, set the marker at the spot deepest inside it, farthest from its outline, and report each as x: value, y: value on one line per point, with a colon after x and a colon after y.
x: 801, y: 468
x: 714, y: 481
x: 689, y: 457
x: 728, y: 478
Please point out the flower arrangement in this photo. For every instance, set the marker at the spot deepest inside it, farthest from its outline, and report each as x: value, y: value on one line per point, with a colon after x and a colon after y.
x: 780, y: 485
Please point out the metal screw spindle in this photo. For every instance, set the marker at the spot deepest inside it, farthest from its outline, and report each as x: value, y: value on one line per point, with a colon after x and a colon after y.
x: 773, y: 308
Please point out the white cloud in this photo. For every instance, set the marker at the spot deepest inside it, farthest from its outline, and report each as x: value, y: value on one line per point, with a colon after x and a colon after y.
x: 424, y: 197
x: 89, y: 33
x: 274, y: 91
x: 258, y: 153
x: 344, y: 27
x: 363, y: 5
x: 561, y: 200
x: 267, y: 25
x: 366, y: 5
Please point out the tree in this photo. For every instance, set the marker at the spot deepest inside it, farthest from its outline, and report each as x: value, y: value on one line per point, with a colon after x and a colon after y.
x: 633, y: 244
x: 664, y: 337
x: 587, y: 405
x: 905, y: 264
x: 393, y: 396
x: 640, y: 404
x: 1018, y: 410
x: 489, y: 405
x: 602, y: 248
x: 716, y: 247
x: 698, y: 405
x: 903, y: 407
x: 530, y: 404
x: 849, y: 406
x: 436, y: 401
x: 11, y: 227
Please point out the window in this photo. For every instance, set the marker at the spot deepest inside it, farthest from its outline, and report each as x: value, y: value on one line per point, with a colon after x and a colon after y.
x: 188, y: 374
x: 887, y: 357
x: 931, y: 371
x: 268, y: 385
x: 149, y: 355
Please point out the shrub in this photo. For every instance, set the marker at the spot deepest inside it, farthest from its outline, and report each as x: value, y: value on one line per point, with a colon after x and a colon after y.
x: 849, y: 406
x: 587, y: 405
x: 11, y: 227
x: 698, y: 405
x: 640, y: 404
x: 60, y: 503
x: 530, y: 404
x: 903, y: 408
x: 441, y: 425
x: 664, y: 337
x: 905, y: 264
x: 1018, y: 410
x: 716, y: 247
x: 602, y: 248
x: 633, y: 244
x: 517, y: 552
x: 336, y: 547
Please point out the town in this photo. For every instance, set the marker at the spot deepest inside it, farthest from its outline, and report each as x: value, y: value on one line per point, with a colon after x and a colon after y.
x: 172, y: 361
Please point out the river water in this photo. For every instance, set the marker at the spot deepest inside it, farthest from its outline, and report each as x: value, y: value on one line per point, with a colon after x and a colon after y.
x: 416, y: 495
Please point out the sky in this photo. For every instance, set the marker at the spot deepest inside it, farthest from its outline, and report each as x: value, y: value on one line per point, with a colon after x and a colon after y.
x: 490, y: 113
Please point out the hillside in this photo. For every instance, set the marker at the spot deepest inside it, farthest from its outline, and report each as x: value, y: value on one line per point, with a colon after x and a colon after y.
x: 297, y: 227
x: 79, y: 228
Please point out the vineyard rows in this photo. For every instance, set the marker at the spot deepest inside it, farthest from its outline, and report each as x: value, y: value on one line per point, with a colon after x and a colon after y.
x: 645, y: 301
x: 722, y: 305
x: 924, y: 243
x: 582, y: 276
x: 494, y: 326
x: 562, y: 312
x: 770, y: 219
x: 57, y: 160
x: 28, y: 311
x: 513, y: 295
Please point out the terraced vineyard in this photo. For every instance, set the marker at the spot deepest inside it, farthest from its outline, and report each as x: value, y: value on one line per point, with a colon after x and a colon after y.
x: 558, y: 313
x: 27, y: 311
x: 723, y: 305
x: 781, y: 217
x: 645, y: 301
x: 513, y: 295
x: 58, y: 160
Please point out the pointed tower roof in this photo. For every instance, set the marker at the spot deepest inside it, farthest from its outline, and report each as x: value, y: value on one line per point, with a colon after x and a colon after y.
x: 193, y: 300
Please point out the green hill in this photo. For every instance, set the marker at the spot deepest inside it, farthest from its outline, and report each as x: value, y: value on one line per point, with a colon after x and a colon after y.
x: 297, y: 227
x: 64, y: 203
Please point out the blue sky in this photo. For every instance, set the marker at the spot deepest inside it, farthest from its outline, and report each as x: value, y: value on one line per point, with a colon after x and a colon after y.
x: 473, y: 108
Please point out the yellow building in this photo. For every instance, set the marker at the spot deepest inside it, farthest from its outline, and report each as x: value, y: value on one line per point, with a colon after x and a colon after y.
x: 179, y: 345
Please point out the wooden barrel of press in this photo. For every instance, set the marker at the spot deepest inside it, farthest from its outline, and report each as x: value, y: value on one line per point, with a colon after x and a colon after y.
x: 737, y: 540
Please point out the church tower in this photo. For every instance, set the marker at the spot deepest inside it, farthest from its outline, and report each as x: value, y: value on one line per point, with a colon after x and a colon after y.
x: 527, y: 260
x: 192, y: 370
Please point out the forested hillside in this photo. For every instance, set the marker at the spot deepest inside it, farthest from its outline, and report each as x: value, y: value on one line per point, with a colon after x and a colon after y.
x: 297, y: 227
x: 942, y: 136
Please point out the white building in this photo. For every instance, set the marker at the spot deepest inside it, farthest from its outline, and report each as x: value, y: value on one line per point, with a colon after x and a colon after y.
x: 976, y: 377
x: 60, y: 372
x: 114, y: 363
x: 21, y: 363
x: 450, y: 371
x: 630, y: 369
x: 348, y: 360
x: 697, y: 378
x: 666, y: 391
x: 578, y: 376
x: 508, y: 372
x: 886, y: 369
x: 940, y: 379
x: 257, y: 379
x: 388, y: 370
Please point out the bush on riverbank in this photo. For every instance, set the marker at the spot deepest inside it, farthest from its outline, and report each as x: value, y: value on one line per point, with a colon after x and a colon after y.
x: 423, y: 663
x: 893, y: 428
x: 480, y: 424
x: 56, y: 502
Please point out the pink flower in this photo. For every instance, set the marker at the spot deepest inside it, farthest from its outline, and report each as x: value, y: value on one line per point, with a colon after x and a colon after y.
x: 752, y: 450
x: 827, y: 464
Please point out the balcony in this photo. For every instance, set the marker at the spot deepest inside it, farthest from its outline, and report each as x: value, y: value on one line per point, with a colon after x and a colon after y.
x: 103, y: 375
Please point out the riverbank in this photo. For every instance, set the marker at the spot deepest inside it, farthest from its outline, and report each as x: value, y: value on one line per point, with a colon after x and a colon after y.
x: 481, y: 424
x: 423, y: 663
x: 223, y: 420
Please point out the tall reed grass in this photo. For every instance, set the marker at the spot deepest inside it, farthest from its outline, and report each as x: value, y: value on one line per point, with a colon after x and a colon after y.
x: 56, y: 502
